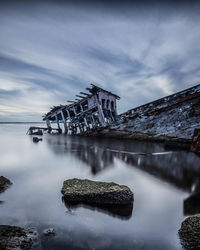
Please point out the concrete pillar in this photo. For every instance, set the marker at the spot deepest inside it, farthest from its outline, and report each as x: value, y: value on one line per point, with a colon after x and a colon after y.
x: 48, y: 125
x: 57, y: 120
x: 64, y: 122
x: 101, y: 115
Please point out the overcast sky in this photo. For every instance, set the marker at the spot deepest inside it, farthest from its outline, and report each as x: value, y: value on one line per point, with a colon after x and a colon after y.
x: 52, y: 50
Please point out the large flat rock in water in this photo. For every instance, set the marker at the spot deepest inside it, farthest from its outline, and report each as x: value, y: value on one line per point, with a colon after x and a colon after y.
x: 190, y: 232
x: 94, y: 192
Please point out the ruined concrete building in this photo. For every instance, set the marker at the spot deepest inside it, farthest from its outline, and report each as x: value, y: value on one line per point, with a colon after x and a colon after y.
x: 172, y: 117
x: 89, y: 111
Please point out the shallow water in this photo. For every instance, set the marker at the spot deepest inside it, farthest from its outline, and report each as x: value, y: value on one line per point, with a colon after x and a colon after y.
x: 160, y: 183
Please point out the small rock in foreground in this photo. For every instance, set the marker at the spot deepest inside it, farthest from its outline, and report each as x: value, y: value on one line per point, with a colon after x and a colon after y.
x: 94, y: 192
x: 4, y: 183
x: 190, y: 232
x: 12, y: 237
x: 36, y: 139
x: 49, y: 232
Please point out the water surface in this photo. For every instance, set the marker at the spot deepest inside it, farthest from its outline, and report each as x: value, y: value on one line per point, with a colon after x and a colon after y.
x: 160, y: 182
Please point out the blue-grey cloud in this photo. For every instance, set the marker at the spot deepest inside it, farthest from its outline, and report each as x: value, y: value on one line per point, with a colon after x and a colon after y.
x: 10, y: 64
x: 51, y: 50
x: 8, y: 94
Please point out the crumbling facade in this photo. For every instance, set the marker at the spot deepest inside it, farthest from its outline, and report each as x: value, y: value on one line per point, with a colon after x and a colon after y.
x: 89, y: 111
x: 172, y: 117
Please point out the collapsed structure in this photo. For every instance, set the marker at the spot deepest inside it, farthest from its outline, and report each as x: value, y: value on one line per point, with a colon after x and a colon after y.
x: 172, y: 117
x: 89, y: 111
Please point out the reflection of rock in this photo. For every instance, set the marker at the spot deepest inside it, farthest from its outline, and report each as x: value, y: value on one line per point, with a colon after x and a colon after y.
x: 119, y: 211
x: 93, y: 192
x: 192, y: 204
x: 195, y: 146
x: 4, y: 183
x: 190, y: 232
x: 12, y: 237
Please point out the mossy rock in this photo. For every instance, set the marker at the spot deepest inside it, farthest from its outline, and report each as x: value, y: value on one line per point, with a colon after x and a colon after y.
x: 94, y: 192
x: 190, y: 232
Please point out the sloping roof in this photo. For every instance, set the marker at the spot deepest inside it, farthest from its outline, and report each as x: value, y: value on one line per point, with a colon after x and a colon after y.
x: 93, y: 90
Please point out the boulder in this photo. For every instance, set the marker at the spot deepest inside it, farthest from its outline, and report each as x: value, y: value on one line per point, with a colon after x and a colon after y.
x: 4, y: 183
x: 94, y: 192
x: 190, y: 232
x: 12, y: 237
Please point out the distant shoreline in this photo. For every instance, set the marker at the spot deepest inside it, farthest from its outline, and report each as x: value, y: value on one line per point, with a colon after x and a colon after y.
x: 20, y: 122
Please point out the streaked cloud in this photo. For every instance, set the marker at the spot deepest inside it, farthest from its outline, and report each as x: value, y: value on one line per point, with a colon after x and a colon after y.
x: 51, y: 50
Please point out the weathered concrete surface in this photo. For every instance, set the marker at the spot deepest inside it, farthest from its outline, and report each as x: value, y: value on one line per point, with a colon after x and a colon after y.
x: 12, y: 237
x: 93, y: 192
x: 195, y: 146
x: 172, y: 118
x: 4, y: 183
x: 190, y: 232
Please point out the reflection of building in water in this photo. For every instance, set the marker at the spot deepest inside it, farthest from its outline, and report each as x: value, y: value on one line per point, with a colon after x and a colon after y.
x: 172, y: 168
x: 93, y: 154
x: 179, y: 168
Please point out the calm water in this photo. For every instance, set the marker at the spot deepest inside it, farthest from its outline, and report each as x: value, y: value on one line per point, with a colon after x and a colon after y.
x: 160, y: 182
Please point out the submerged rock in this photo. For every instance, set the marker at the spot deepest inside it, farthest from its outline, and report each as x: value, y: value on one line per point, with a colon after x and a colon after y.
x: 190, y: 232
x: 49, y: 232
x: 4, y: 183
x: 12, y: 237
x: 94, y: 192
